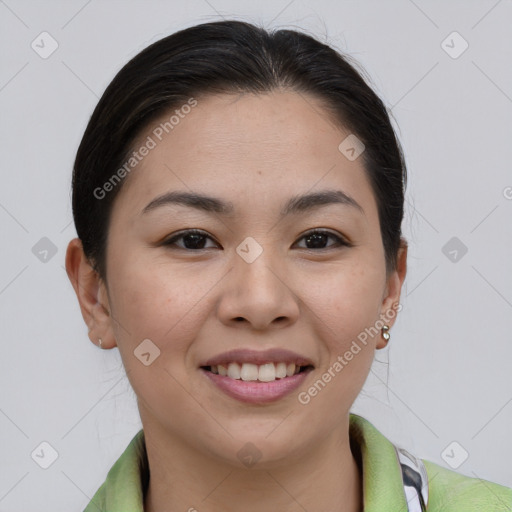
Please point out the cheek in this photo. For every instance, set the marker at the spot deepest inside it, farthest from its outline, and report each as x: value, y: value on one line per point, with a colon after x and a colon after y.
x: 158, y: 301
x: 147, y: 302
x: 344, y: 304
x: 143, y: 287
x: 345, y: 299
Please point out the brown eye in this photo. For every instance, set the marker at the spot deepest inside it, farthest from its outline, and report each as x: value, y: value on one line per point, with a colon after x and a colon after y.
x: 317, y: 239
x: 193, y: 239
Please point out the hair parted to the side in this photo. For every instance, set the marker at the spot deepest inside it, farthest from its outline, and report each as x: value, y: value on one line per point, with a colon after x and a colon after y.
x: 230, y: 57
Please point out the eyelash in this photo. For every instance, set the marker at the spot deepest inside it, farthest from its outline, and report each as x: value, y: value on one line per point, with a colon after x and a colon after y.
x: 340, y: 241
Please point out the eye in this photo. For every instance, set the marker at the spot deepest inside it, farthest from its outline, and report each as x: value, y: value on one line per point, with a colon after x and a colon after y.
x: 317, y: 239
x: 193, y: 239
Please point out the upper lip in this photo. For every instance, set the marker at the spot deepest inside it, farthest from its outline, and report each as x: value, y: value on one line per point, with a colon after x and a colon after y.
x: 273, y: 355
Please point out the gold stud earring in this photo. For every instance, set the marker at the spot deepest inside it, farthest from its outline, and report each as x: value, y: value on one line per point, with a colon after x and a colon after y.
x: 385, y: 332
x: 99, y: 342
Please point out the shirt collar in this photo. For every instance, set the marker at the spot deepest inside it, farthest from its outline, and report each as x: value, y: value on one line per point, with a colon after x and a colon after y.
x: 126, y: 482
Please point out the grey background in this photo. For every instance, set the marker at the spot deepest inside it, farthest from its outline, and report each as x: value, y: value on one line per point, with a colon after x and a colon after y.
x: 446, y: 375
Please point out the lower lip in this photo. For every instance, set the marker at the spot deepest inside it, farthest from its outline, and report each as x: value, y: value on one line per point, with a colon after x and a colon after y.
x: 256, y: 392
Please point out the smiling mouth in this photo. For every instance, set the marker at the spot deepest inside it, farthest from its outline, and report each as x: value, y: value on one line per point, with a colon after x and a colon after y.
x: 259, y: 373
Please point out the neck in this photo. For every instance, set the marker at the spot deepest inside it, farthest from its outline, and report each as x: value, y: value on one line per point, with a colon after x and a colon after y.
x: 326, y: 478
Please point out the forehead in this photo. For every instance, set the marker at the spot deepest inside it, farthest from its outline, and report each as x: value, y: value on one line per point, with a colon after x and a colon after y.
x: 244, y: 147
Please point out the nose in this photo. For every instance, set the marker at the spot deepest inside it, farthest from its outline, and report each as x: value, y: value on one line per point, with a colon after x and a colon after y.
x: 258, y: 294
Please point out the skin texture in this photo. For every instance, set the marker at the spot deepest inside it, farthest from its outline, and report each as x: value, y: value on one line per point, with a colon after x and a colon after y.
x: 255, y: 151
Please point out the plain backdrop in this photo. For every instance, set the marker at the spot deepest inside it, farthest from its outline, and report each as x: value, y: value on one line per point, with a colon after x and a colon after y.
x: 443, y: 387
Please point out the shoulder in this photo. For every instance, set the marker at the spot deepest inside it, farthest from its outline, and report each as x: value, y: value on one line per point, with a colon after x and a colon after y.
x: 124, y: 487
x: 451, y: 491
x: 394, y: 479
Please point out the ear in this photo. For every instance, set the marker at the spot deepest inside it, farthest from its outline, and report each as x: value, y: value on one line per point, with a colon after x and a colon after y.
x: 92, y: 295
x: 391, y: 297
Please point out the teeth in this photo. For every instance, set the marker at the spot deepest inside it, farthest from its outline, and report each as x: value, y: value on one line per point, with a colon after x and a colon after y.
x: 249, y: 372
x: 234, y: 371
x: 267, y: 372
x: 280, y: 370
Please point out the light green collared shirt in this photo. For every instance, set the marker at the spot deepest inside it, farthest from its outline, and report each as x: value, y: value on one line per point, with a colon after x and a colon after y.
x: 383, y: 480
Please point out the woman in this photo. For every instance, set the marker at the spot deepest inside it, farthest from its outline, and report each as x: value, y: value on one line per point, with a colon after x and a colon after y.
x: 238, y: 198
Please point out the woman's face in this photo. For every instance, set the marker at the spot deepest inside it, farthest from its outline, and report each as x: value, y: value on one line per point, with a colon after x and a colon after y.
x: 254, y: 279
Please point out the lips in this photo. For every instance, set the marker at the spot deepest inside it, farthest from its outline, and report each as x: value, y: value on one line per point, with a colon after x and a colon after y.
x: 255, y: 376
x: 274, y: 355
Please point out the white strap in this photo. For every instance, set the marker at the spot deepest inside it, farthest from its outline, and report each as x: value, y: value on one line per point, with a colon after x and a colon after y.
x: 415, y: 480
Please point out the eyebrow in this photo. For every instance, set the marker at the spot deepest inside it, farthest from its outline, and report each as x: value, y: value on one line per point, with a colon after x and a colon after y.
x: 296, y: 204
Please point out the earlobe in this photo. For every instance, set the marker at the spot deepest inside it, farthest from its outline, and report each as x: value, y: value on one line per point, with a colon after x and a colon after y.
x: 89, y: 289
